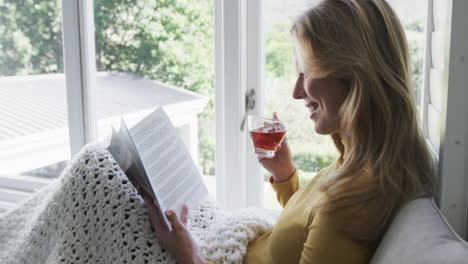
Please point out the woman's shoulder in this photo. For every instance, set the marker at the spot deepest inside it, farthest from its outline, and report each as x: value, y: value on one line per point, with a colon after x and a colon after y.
x: 358, y: 206
x: 322, y: 175
x: 328, y: 170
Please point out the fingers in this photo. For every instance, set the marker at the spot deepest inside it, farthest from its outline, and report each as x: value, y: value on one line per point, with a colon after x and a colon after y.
x: 261, y: 157
x: 176, y: 224
x: 275, y: 116
x: 284, y: 142
x: 184, y: 215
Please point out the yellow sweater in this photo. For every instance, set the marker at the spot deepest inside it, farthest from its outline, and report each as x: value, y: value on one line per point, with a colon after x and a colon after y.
x: 303, y: 236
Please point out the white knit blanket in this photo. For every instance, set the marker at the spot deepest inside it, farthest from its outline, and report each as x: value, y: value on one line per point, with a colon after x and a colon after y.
x: 92, y: 214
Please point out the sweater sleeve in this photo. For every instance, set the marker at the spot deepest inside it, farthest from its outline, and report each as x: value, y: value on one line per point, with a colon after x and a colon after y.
x: 326, y: 245
x: 284, y: 190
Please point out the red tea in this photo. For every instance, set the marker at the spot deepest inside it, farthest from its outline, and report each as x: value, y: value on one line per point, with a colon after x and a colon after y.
x: 267, y: 138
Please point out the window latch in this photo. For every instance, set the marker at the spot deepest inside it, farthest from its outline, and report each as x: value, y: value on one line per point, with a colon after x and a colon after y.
x: 249, y: 105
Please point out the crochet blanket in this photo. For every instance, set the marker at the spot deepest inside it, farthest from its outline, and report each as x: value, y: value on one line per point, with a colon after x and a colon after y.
x: 93, y: 214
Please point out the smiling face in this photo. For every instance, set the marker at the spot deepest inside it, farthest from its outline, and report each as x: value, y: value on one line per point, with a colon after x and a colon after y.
x: 323, y: 97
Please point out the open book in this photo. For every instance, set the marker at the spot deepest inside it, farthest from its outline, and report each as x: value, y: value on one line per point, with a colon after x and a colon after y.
x: 158, y: 164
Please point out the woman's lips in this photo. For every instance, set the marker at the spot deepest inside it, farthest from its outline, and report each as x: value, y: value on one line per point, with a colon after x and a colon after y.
x: 313, y: 108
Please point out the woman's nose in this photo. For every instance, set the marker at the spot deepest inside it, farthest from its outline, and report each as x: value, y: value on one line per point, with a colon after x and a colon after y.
x: 298, y: 92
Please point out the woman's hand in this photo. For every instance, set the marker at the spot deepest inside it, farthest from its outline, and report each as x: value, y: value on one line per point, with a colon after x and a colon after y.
x: 281, y: 165
x: 178, y: 242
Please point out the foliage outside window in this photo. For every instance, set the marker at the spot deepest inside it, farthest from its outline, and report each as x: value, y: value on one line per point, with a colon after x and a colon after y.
x: 166, y: 40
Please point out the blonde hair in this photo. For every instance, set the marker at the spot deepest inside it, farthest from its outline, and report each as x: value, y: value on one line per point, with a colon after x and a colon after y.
x: 386, y: 162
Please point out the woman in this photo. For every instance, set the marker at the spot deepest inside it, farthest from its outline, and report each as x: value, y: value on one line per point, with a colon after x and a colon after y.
x: 355, y: 79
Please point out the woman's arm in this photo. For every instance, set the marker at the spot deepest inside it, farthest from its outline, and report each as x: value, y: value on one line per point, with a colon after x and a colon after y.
x: 284, y: 178
x: 325, y: 244
x: 284, y: 190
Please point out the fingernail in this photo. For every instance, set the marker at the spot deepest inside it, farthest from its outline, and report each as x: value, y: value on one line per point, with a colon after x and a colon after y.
x: 169, y: 213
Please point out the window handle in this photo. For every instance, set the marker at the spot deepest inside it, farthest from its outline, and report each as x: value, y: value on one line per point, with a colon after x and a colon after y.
x: 249, y: 104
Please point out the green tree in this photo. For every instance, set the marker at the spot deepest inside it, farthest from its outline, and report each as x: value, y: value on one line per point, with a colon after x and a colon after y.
x: 278, y: 51
x: 166, y: 40
x: 41, y: 22
x: 15, y: 51
x: 31, y: 37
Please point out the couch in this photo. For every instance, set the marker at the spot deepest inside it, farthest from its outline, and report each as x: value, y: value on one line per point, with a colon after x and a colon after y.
x: 420, y: 234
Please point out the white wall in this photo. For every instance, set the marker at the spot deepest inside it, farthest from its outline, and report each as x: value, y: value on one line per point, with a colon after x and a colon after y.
x: 454, y: 129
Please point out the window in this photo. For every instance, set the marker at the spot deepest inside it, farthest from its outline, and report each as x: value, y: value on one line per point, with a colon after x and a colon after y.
x: 254, y: 52
x: 147, y: 54
x: 413, y: 16
x: 312, y: 152
x: 145, y: 58
x: 34, y: 138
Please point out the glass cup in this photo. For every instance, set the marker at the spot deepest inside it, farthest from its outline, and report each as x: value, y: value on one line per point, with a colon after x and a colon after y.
x: 267, y: 135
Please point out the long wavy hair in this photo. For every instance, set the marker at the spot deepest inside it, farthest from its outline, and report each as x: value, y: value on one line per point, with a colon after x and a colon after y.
x: 386, y: 162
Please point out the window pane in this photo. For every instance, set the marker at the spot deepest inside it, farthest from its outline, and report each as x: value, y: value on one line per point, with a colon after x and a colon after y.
x: 151, y: 53
x: 413, y: 16
x: 312, y: 152
x: 34, y: 136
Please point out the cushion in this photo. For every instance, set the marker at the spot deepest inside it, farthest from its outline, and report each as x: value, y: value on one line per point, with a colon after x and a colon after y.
x: 420, y: 234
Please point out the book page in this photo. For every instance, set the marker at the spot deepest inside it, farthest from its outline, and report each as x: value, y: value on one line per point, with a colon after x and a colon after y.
x: 168, y: 164
x: 120, y: 150
x: 136, y: 173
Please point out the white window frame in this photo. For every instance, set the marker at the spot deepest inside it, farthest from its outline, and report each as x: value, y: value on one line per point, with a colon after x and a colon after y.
x: 453, y: 181
x: 239, y: 68
x: 234, y: 188
x: 230, y: 167
x: 80, y: 71
x: 445, y: 47
x: 255, y: 79
x: 239, y: 176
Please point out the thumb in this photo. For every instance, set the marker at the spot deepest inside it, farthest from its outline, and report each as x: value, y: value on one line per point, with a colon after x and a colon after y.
x: 176, y: 224
x: 275, y: 116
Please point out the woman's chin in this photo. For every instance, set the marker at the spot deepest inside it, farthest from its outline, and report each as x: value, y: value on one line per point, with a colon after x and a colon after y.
x: 318, y: 128
x: 322, y: 130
